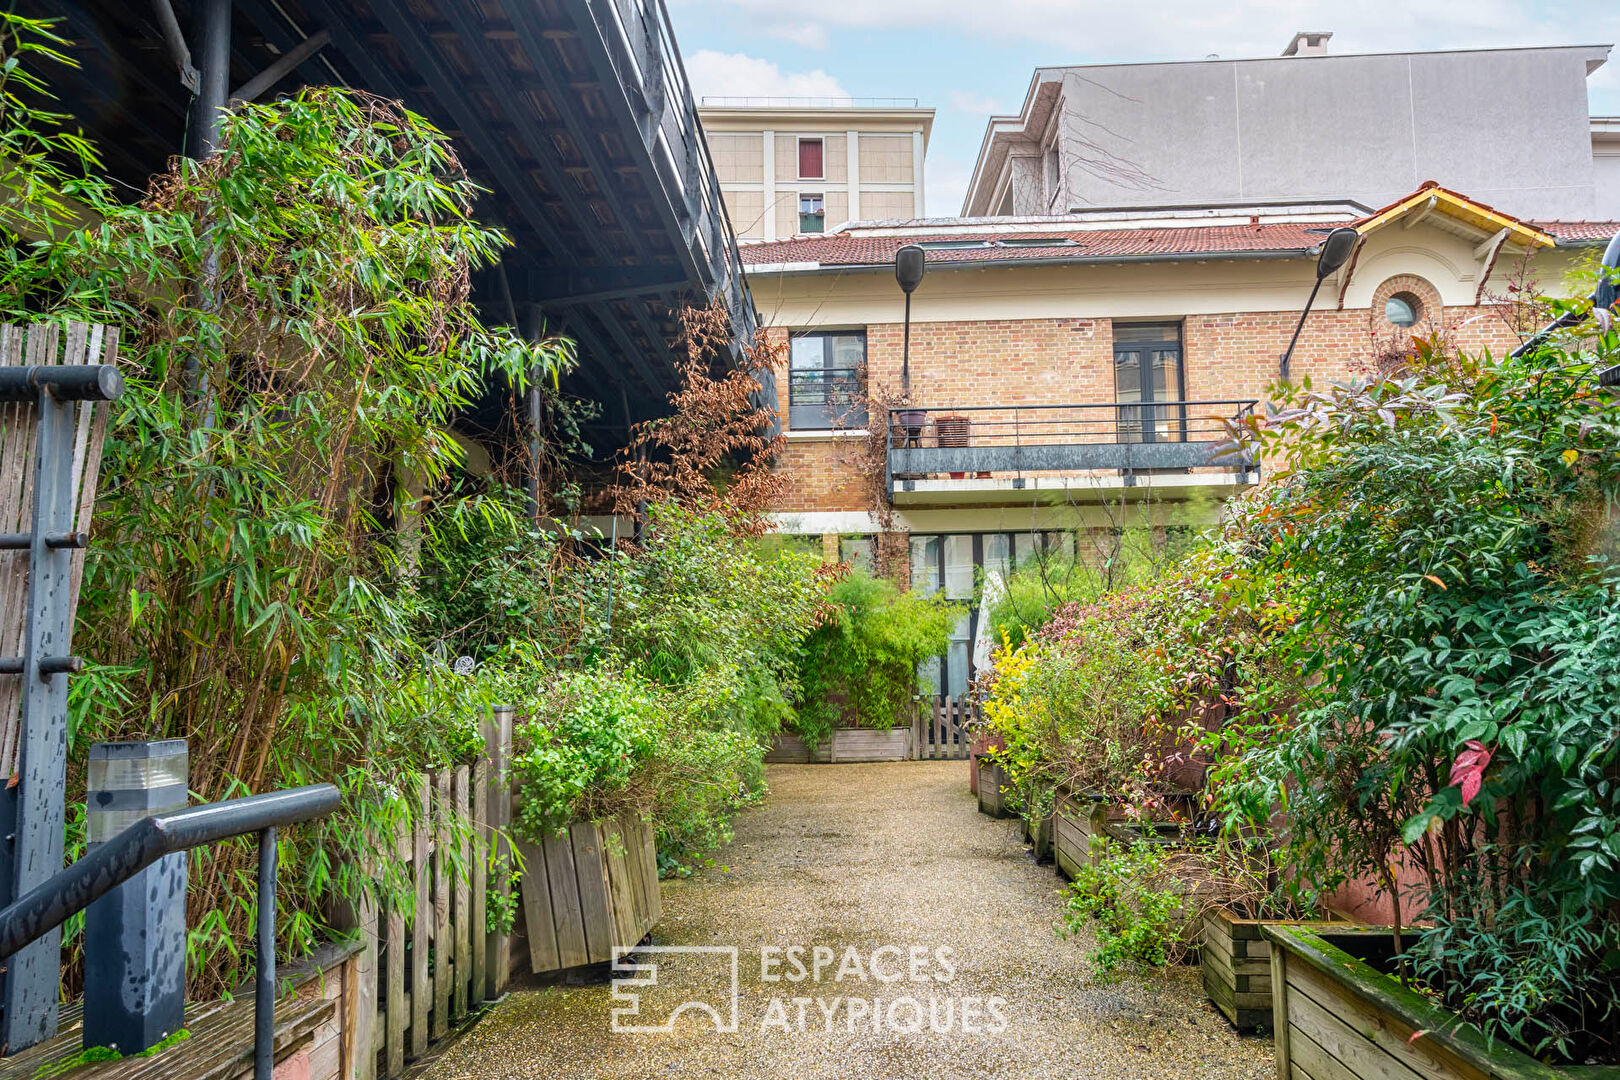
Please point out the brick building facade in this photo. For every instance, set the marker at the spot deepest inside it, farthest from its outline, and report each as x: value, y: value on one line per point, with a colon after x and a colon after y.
x: 1074, y: 375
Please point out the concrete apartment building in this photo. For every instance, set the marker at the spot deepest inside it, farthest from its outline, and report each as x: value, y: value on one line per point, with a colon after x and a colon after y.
x: 790, y: 166
x: 1509, y: 126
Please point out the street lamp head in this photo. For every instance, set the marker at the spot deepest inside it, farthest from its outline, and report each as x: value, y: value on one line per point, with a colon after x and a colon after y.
x: 908, y: 267
x: 1335, y: 251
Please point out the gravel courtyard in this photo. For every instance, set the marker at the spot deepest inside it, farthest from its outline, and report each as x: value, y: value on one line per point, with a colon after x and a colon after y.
x: 893, y: 871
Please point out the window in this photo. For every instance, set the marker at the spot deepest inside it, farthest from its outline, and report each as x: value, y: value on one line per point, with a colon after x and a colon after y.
x: 812, y: 214
x: 951, y: 565
x: 1403, y: 309
x: 952, y: 245
x: 857, y: 551
x: 1147, y: 373
x: 811, y: 165
x: 825, y: 374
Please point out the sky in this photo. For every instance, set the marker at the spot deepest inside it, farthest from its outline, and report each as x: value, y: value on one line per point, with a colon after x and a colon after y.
x: 970, y: 59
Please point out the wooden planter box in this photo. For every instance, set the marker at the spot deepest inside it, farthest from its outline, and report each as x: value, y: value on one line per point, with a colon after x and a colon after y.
x: 588, y: 891
x: 866, y: 744
x: 789, y: 749
x: 1039, y: 836
x: 1337, y: 1016
x: 1235, y: 961
x: 1075, y: 820
x: 992, y: 800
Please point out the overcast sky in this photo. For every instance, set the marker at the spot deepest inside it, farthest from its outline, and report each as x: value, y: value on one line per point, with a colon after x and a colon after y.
x: 971, y: 58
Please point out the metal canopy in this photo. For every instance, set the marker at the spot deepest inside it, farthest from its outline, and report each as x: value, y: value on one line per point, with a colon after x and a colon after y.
x: 575, y: 114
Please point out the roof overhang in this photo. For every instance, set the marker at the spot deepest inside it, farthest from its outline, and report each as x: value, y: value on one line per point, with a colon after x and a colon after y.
x: 1432, y: 200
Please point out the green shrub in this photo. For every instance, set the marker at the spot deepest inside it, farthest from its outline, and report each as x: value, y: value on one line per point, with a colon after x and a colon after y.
x: 858, y: 667
x: 1444, y: 530
x: 1133, y: 903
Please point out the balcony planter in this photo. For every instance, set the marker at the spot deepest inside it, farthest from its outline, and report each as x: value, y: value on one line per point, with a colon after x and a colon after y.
x: 911, y: 423
x: 953, y: 431
x: 1337, y: 1015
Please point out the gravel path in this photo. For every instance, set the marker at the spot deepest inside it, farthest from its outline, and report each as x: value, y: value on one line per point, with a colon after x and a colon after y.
x: 857, y: 858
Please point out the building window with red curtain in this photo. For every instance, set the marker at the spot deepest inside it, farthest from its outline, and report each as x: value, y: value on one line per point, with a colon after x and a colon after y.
x: 810, y: 160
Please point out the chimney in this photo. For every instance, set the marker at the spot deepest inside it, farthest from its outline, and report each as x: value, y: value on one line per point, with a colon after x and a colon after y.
x: 1309, y: 43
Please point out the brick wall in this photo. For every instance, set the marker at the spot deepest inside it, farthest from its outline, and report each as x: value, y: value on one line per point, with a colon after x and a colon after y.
x: 1065, y: 361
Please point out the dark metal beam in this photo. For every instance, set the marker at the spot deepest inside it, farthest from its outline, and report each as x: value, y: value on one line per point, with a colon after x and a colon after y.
x: 616, y: 283
x: 340, y: 22
x: 283, y: 66
x: 531, y: 37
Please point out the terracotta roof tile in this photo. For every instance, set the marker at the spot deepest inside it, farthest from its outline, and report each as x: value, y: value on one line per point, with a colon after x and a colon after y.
x: 1577, y: 231
x: 844, y: 249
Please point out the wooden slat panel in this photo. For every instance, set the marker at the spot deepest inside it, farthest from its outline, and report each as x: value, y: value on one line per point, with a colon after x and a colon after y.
x: 497, y: 730
x: 632, y: 864
x: 1320, y: 1063
x: 565, y: 906
x: 1312, y: 997
x: 443, y: 940
x: 462, y: 917
x: 399, y: 1017
x: 621, y: 895
x: 538, y: 919
x: 480, y: 884
x: 1279, y: 1014
x: 589, y: 870
x: 649, y: 866
x: 421, y: 920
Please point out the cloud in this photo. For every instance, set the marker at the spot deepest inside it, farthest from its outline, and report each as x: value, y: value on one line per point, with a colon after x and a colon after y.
x: 807, y: 34
x: 973, y: 105
x: 718, y: 74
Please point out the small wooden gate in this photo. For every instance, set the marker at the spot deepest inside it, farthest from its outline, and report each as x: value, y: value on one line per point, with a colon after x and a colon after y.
x: 940, y: 729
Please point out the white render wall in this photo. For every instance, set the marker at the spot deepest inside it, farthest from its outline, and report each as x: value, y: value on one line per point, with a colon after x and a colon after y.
x: 1509, y: 127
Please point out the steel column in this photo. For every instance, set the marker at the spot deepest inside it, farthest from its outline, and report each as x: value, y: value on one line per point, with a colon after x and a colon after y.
x: 214, y: 80
x: 32, y: 975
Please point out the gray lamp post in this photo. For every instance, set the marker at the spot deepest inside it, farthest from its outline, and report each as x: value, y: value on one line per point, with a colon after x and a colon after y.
x: 909, y: 264
x: 1334, y: 253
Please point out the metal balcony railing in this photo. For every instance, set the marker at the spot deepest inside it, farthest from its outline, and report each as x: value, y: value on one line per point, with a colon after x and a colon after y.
x: 982, y: 441
x: 826, y: 398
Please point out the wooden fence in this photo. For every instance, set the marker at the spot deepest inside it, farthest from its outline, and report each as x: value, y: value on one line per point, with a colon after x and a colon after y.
x: 43, y: 344
x: 940, y: 730
x: 424, y: 969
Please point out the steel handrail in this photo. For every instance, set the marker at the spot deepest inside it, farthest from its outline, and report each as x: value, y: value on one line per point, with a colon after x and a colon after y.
x: 75, y: 888
x: 1247, y: 403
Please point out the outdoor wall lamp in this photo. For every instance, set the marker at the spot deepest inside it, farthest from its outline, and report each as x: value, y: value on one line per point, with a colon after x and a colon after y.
x: 1334, y: 253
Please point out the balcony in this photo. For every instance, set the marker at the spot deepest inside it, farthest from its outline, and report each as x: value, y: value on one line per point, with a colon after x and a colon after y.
x: 826, y: 398
x: 1003, y: 454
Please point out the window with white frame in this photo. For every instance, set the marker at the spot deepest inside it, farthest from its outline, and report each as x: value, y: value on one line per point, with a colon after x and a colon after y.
x: 812, y: 213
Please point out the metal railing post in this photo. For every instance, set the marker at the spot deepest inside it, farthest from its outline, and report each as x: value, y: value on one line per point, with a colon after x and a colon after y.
x: 264, y: 989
